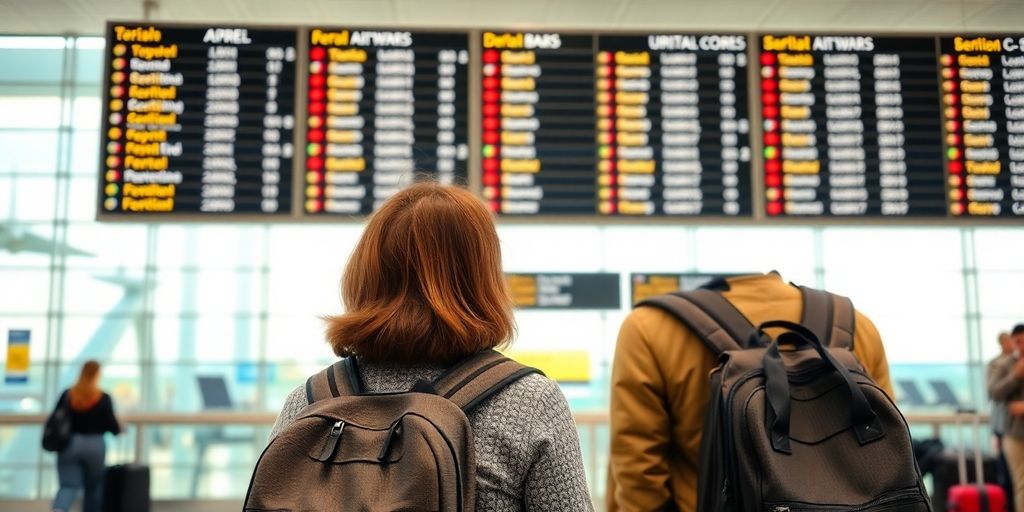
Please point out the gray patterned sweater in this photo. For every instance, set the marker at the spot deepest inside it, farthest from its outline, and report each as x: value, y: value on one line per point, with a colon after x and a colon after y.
x: 527, y: 447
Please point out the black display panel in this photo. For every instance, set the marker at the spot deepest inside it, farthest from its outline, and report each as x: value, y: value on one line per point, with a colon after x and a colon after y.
x: 537, y: 115
x: 983, y: 109
x: 673, y: 126
x: 383, y: 108
x: 850, y: 126
x: 564, y: 291
x: 197, y: 120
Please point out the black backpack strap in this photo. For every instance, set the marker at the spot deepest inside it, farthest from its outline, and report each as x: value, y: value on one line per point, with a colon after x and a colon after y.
x: 478, y: 377
x: 829, y: 316
x: 710, y: 316
x: 338, y: 379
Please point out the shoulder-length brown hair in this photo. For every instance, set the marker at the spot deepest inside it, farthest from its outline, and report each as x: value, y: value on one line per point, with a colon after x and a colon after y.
x: 425, y: 283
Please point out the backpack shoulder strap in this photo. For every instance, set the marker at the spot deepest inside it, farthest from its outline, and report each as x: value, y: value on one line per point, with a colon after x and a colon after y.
x: 338, y: 379
x: 829, y: 316
x: 478, y: 377
x: 708, y: 314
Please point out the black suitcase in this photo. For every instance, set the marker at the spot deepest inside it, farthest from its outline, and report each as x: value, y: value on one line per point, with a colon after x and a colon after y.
x: 947, y: 474
x: 126, y: 489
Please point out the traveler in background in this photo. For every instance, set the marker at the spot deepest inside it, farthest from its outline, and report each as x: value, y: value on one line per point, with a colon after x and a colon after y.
x: 660, y: 390
x: 1008, y: 387
x: 82, y: 464
x: 423, y: 290
x: 996, y: 371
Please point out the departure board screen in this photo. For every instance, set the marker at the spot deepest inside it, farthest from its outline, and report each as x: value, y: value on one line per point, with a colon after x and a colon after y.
x: 983, y: 99
x: 673, y: 131
x: 539, y: 149
x: 383, y: 107
x: 197, y: 120
x: 850, y: 126
x: 564, y: 291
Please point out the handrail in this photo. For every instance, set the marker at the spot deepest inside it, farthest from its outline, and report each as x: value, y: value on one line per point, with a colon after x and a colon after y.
x: 588, y: 421
x: 268, y: 418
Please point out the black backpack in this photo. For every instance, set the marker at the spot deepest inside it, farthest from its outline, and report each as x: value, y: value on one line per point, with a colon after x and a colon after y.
x: 57, y: 430
x: 795, y: 430
x: 354, y: 451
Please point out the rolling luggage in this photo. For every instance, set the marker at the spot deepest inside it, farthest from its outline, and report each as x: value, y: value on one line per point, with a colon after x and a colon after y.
x: 126, y: 488
x: 980, y: 496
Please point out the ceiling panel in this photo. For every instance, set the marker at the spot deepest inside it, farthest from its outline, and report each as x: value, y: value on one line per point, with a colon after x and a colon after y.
x: 87, y: 16
x: 1007, y: 15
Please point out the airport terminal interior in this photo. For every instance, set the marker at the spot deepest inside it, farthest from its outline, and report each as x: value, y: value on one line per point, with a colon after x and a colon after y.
x: 182, y: 182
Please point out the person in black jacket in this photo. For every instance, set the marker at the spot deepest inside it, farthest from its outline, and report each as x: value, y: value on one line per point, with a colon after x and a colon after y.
x: 81, y: 465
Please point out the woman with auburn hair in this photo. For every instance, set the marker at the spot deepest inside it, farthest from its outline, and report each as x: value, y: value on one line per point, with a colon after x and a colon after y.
x: 423, y: 290
x: 82, y: 463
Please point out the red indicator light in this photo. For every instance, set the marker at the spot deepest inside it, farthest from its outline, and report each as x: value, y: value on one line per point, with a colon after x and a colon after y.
x: 771, y: 112
x: 767, y: 58
x: 772, y: 167
x: 774, y: 208
x: 947, y: 59
x: 956, y: 167
x: 604, y: 57
x: 491, y: 96
x: 314, y: 163
x: 316, y: 108
x: 491, y: 137
x: 491, y: 165
x: 771, y: 139
x: 952, y: 126
x: 491, y: 179
x: 491, y: 110
x: 316, y: 95
x: 495, y: 207
x: 769, y: 98
x: 492, y: 123
x: 769, y: 85
x: 491, y: 83
x: 491, y: 56
x: 317, y: 53
x: 315, y: 135
x: 773, y: 180
x: 316, y: 81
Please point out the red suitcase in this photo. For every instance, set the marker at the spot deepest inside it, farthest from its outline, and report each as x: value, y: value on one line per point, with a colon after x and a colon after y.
x: 977, y: 497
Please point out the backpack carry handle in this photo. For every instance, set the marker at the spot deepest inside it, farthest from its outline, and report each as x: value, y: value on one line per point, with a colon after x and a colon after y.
x: 866, y: 425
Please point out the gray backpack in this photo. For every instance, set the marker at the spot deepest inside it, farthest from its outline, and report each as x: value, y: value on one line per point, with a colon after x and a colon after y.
x: 411, y: 451
x: 796, y: 430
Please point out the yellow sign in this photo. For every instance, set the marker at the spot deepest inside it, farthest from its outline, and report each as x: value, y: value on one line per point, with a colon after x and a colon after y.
x: 558, y: 365
x: 17, y: 356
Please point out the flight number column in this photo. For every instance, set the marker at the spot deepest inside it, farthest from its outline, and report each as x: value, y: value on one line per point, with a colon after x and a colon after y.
x: 449, y: 150
x: 275, y: 124
x: 847, y: 161
x: 889, y: 115
x: 733, y: 124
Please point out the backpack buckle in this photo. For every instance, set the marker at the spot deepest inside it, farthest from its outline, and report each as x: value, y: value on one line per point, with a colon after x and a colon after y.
x: 333, y: 441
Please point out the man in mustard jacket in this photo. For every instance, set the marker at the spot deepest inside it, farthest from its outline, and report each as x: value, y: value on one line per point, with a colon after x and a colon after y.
x: 660, y: 391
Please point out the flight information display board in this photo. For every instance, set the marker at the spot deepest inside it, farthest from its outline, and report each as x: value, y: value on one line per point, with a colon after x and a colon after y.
x: 537, y: 123
x: 850, y: 126
x: 383, y: 107
x: 983, y: 99
x: 673, y: 131
x: 564, y: 291
x: 197, y: 120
